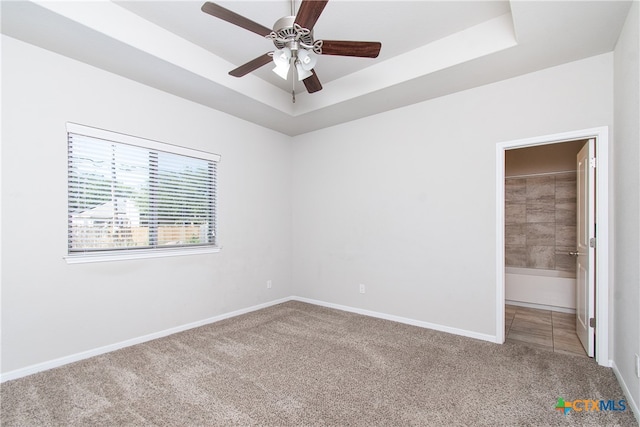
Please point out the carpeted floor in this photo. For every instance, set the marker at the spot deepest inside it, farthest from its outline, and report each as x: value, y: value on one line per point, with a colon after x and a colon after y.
x: 296, y: 364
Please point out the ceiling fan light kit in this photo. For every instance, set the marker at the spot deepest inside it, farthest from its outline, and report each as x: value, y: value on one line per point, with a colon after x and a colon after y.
x: 293, y: 38
x: 295, y: 45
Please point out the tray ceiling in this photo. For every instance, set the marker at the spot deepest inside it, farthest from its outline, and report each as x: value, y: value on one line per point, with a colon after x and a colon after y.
x: 429, y: 49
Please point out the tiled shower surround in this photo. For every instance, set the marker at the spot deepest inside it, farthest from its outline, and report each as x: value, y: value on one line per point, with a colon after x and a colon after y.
x: 540, y: 221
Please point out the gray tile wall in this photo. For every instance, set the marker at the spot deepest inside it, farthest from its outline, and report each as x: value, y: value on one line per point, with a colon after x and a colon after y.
x: 540, y: 222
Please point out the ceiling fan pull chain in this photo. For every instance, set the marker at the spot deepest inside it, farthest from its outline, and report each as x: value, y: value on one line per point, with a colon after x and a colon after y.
x: 293, y: 89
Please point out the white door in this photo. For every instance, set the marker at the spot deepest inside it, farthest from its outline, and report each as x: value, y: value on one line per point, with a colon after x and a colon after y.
x: 585, y: 252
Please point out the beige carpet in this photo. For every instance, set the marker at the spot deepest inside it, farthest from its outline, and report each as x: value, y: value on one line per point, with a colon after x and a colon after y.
x: 296, y: 364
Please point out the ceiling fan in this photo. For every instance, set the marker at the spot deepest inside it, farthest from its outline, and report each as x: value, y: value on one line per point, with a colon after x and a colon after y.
x: 293, y: 38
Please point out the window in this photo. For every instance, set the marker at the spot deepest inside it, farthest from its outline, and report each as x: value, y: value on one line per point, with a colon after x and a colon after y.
x: 131, y: 197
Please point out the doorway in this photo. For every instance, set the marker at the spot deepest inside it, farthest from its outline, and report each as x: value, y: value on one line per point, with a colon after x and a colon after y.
x: 600, y: 328
x: 540, y: 240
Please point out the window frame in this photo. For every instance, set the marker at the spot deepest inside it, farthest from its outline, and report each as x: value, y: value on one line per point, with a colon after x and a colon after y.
x: 73, y: 257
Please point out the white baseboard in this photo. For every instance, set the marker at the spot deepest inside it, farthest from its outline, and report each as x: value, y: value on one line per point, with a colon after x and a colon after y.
x: 39, y: 367
x: 405, y: 320
x: 627, y: 393
x: 22, y: 372
x: 541, y: 306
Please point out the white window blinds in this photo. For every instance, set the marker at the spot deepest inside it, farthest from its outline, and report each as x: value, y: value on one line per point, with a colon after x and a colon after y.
x: 128, y: 193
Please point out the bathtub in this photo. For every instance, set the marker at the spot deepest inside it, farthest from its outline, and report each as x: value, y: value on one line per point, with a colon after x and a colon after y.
x: 550, y: 289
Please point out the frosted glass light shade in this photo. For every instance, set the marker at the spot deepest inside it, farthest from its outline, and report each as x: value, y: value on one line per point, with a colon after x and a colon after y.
x: 282, y: 59
x: 307, y: 59
x: 302, y: 73
x: 282, y: 56
x: 282, y: 71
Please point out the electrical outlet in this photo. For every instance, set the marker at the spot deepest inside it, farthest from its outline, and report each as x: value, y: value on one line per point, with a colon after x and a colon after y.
x: 269, y: 283
x: 637, y: 365
x: 362, y: 288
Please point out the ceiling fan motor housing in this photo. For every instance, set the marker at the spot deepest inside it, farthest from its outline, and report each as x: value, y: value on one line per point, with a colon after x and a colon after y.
x: 285, y: 30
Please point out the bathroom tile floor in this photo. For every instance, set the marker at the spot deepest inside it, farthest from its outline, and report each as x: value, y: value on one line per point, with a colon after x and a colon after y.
x: 544, y: 329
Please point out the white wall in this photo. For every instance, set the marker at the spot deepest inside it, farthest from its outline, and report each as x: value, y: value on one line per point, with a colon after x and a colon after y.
x: 404, y: 201
x: 51, y: 309
x: 626, y: 161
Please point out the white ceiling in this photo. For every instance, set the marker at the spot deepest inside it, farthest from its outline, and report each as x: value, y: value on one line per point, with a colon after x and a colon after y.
x: 429, y: 49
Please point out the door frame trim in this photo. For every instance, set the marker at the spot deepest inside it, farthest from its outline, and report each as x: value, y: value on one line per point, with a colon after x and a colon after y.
x: 604, y: 230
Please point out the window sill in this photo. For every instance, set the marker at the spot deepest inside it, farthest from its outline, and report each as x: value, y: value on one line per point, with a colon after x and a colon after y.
x: 138, y: 254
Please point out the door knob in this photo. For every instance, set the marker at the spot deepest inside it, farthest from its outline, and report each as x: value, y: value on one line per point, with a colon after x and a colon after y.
x: 576, y: 253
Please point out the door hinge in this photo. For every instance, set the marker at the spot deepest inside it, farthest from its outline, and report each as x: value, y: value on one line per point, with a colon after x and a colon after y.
x: 592, y: 162
x: 592, y: 242
x: 592, y: 322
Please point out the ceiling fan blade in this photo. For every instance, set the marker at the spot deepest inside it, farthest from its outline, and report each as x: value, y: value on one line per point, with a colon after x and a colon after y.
x: 312, y: 83
x: 251, y: 65
x: 233, y: 18
x: 350, y: 48
x: 309, y: 13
